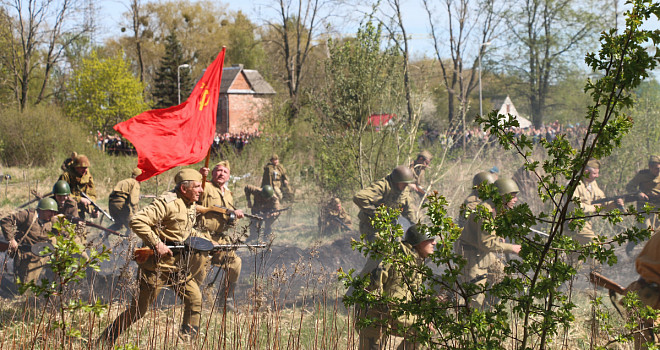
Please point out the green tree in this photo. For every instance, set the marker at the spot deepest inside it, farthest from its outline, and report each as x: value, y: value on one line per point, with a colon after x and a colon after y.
x: 242, y: 44
x: 103, y: 92
x: 532, y: 308
x: 545, y: 36
x: 169, y: 76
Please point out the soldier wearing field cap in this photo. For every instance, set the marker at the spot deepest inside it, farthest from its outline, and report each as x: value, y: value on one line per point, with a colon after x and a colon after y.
x: 482, y: 249
x: 588, y: 191
x: 275, y: 176
x: 418, y: 168
x: 168, y: 220
x: 124, y: 200
x: 390, y: 281
x: 80, y: 180
x: 22, y: 230
x: 220, y: 228
x: 392, y: 191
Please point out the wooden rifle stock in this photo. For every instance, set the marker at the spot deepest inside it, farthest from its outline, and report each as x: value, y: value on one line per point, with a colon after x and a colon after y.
x: 602, y: 281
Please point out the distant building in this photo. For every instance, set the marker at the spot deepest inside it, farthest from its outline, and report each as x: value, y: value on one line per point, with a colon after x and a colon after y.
x: 507, y: 108
x: 243, y: 96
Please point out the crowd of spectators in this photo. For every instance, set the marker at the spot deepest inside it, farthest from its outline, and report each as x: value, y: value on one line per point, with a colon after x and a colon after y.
x: 476, y: 137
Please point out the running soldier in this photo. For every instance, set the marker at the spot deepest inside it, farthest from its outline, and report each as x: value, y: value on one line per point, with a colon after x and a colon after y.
x: 65, y: 204
x: 80, y: 180
x: 275, y: 177
x: 264, y: 203
x: 124, y: 201
x: 168, y: 220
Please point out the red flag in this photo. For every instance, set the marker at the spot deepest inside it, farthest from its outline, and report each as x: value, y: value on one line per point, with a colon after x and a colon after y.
x: 178, y: 135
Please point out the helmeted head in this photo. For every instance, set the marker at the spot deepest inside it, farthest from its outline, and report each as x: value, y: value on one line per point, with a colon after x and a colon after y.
x: 484, y: 176
x: 47, y: 204
x: 423, y: 243
x: 402, y: 174
x: 267, y: 191
x: 506, y: 185
x: 61, y: 188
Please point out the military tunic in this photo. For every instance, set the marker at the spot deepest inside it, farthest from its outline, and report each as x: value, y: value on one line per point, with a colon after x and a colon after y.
x: 79, y: 184
x: 646, y: 183
x: 27, y: 229
x: 68, y: 208
x: 214, y: 225
x: 263, y: 207
x: 382, y: 192
x: 274, y: 175
x: 390, y: 281
x: 587, y: 193
x: 123, y: 202
x: 482, y: 251
x: 168, y: 219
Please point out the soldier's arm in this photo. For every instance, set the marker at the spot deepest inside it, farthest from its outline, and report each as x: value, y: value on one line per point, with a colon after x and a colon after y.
x: 145, y: 220
x: 91, y: 190
x: 367, y: 198
x: 8, y: 225
x: 134, y: 195
x: 633, y: 185
x: 249, y: 190
x: 407, y: 211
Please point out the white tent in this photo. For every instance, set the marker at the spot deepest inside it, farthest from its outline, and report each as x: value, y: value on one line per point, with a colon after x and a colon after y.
x: 508, y: 108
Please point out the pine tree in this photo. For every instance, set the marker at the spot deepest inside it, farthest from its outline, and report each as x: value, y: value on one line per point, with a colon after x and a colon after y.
x: 165, y: 89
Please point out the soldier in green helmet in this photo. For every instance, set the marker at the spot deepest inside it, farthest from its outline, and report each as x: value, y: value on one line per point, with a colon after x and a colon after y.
x: 22, y: 230
x: 389, y: 280
x: 66, y: 205
x: 80, y: 180
x: 392, y: 191
x: 482, y: 249
x: 264, y: 203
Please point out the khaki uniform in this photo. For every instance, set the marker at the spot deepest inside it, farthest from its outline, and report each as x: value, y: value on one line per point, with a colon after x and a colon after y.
x: 263, y: 207
x: 80, y: 184
x: 648, y: 184
x: 168, y: 219
x: 25, y: 227
x: 213, y: 225
x: 123, y: 202
x: 388, y: 280
x: 587, y: 193
x: 482, y: 251
x: 420, y: 180
x: 331, y: 219
x: 275, y: 175
x: 69, y: 208
x: 647, y: 265
x: 382, y: 192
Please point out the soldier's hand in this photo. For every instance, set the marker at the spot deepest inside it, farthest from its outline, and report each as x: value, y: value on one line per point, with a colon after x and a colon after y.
x: 516, y: 248
x: 94, y: 214
x: 204, y: 171
x: 620, y: 203
x: 163, y: 250
x: 643, y: 196
x: 13, y: 246
x: 239, y: 214
x: 85, y: 201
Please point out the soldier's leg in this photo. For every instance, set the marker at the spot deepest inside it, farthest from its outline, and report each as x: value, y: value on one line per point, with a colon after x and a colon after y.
x: 268, y: 227
x: 231, y: 264
x: 28, y: 266
x: 192, y: 306
x: 150, y: 284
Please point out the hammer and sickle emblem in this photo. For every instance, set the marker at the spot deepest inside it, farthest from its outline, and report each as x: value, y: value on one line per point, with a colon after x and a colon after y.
x: 205, y: 100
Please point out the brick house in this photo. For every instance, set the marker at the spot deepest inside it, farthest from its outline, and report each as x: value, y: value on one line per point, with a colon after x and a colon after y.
x: 243, y: 95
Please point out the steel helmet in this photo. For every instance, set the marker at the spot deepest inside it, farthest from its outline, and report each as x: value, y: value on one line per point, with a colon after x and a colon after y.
x: 61, y: 188
x: 402, y: 174
x: 483, y: 176
x: 267, y: 191
x: 415, y: 236
x: 47, y: 204
x: 506, y: 185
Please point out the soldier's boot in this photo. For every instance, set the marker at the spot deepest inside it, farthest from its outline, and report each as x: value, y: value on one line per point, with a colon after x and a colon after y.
x: 227, y: 297
x: 188, y: 333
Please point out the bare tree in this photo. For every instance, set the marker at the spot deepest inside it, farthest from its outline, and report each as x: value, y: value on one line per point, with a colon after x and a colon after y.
x: 34, y: 33
x: 543, y: 33
x: 299, y: 23
x: 470, y: 26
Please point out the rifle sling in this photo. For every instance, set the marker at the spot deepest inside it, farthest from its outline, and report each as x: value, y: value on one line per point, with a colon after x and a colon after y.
x: 615, y: 303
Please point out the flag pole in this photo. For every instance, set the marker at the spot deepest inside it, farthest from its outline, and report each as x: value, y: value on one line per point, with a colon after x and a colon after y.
x: 206, y: 165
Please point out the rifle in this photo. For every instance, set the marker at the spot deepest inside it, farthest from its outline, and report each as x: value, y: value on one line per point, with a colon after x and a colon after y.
x: 97, y: 207
x: 628, y: 197
x: 338, y: 220
x: 76, y: 220
x: 613, y: 287
x: 36, y: 198
x: 192, y: 243
x: 539, y: 232
x: 275, y: 211
x: 223, y: 210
